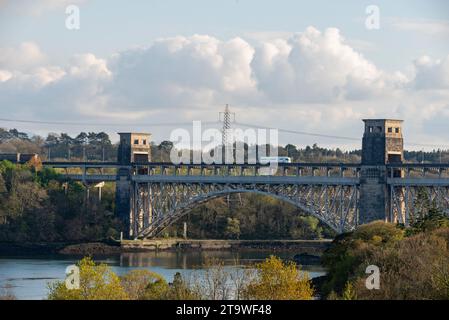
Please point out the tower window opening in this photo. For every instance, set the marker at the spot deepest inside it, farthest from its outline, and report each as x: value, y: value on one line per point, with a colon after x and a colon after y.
x: 136, y: 141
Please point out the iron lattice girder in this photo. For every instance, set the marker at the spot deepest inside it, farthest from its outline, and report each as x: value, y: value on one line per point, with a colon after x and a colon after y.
x: 333, y: 199
x: 159, y: 204
x: 407, y: 201
x: 289, y: 180
x: 163, y: 192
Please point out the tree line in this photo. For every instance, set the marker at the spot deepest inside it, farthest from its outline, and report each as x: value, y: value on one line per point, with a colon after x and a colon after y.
x: 97, y: 146
x: 249, y: 216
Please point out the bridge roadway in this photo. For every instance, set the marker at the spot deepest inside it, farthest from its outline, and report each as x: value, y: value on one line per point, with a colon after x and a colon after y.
x: 414, y: 174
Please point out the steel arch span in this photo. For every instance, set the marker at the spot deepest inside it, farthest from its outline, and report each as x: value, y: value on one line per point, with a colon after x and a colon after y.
x: 157, y: 205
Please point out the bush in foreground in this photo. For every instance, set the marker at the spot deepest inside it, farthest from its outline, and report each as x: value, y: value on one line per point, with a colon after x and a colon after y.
x: 97, y: 282
x: 413, y: 262
x: 272, y: 279
x: 278, y: 280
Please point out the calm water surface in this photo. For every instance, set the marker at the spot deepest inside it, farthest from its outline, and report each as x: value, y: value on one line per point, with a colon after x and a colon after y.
x: 27, y: 277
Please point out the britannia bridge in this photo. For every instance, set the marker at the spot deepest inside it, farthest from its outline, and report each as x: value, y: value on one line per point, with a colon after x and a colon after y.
x: 150, y: 196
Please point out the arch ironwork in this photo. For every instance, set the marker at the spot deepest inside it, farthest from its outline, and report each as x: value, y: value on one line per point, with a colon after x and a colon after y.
x: 156, y: 205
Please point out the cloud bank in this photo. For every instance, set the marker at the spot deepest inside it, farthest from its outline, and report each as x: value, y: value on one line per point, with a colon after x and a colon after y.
x: 312, y: 80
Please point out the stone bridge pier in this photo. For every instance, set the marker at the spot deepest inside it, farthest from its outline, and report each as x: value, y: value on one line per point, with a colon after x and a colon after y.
x: 382, y: 144
x: 133, y: 148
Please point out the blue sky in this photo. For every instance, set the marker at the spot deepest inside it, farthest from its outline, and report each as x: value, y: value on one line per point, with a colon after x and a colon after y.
x: 109, y: 26
x: 58, y: 64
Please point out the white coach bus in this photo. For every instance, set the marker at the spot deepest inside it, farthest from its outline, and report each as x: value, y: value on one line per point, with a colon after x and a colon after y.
x: 265, y: 160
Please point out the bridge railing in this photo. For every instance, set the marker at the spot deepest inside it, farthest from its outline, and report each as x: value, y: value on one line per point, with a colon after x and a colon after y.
x: 418, y: 174
x: 85, y: 171
x: 283, y: 169
x: 395, y: 172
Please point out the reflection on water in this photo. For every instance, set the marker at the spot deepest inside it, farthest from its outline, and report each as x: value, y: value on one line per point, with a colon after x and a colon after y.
x: 28, y: 276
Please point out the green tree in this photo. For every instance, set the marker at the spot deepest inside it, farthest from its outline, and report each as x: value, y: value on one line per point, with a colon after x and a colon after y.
x: 232, y: 228
x: 97, y: 282
x: 136, y: 284
x: 179, y: 290
x: 306, y: 227
x: 433, y: 219
x: 348, y: 292
x: 156, y: 290
x: 348, y: 251
x: 278, y: 280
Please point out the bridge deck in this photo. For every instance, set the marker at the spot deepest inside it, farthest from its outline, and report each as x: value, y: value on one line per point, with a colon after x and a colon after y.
x: 419, y: 182
x: 91, y: 177
x: 318, y: 180
x: 288, y: 173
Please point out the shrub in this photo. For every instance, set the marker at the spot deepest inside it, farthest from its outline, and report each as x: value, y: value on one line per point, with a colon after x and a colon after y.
x: 278, y: 280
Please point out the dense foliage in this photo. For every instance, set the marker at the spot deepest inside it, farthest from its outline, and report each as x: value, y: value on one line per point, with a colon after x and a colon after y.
x: 96, y: 282
x: 413, y: 263
x: 278, y: 280
x: 250, y: 216
x: 36, y: 204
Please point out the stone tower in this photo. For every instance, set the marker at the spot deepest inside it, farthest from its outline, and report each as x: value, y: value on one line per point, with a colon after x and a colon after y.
x: 382, y: 144
x: 133, y: 148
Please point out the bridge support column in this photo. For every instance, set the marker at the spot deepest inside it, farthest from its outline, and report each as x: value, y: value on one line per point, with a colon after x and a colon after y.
x: 374, y: 194
x: 382, y: 145
x: 133, y: 148
x: 123, y: 198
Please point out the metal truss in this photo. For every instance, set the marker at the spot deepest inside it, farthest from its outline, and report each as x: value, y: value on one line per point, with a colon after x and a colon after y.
x: 156, y: 205
x: 407, y: 201
x: 161, y: 193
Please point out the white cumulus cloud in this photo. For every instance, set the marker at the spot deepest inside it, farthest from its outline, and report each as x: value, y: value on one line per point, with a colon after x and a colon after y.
x: 309, y: 80
x: 431, y: 74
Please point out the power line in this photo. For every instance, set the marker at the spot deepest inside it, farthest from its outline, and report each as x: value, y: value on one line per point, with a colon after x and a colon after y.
x: 300, y: 132
x: 146, y: 124
x: 226, y: 123
x: 336, y: 137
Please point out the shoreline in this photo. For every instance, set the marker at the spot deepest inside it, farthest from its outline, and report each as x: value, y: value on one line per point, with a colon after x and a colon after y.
x: 315, y: 247
x: 309, y: 246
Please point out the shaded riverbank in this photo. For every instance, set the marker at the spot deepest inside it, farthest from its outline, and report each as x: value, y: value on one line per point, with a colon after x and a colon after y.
x: 307, y: 246
x: 312, y: 247
x: 52, y: 248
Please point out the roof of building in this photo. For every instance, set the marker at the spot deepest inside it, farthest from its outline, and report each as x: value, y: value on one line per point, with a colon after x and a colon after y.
x: 139, y: 133
x: 396, y: 120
